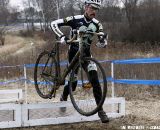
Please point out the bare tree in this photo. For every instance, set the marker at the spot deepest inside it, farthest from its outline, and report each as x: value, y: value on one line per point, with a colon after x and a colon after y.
x: 2, y: 35
x: 49, y: 11
x: 4, y: 15
x: 149, y: 20
x: 72, y: 7
x: 29, y: 13
x: 81, y: 7
x: 110, y: 3
x: 130, y: 8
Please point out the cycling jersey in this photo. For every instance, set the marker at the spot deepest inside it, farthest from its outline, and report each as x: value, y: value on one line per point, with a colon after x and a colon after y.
x: 75, y: 22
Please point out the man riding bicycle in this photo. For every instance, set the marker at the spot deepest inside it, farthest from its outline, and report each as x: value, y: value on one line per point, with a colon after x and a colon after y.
x: 75, y: 22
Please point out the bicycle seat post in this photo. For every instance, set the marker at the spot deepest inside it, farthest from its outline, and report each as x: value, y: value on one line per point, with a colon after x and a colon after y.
x: 57, y: 58
x: 81, y: 45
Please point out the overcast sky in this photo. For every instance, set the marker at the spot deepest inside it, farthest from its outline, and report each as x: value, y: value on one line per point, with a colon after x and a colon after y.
x: 17, y: 3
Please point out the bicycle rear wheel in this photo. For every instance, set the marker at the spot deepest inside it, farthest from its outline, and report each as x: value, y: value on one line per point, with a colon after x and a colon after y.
x: 89, y: 95
x: 45, y: 74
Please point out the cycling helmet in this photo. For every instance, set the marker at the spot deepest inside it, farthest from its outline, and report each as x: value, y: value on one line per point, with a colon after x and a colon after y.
x: 94, y: 3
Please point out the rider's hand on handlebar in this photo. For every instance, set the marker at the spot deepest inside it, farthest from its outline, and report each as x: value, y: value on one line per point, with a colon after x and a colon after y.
x: 102, y: 34
x: 102, y: 41
x: 64, y: 39
x: 102, y: 44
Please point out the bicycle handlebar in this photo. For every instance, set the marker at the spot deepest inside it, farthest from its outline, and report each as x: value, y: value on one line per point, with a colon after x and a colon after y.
x: 71, y: 40
x: 81, y: 33
x: 93, y: 33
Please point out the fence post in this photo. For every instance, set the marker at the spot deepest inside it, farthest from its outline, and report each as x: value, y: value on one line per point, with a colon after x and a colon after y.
x: 112, y: 76
x: 112, y: 86
x: 25, y: 83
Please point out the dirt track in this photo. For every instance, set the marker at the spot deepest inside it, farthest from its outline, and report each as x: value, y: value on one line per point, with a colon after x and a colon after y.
x: 140, y: 114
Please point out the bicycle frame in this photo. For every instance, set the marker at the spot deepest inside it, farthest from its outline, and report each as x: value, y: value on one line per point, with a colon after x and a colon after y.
x: 61, y: 77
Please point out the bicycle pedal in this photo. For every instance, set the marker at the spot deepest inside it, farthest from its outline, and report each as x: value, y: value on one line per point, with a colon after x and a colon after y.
x: 87, y: 86
x: 50, y: 97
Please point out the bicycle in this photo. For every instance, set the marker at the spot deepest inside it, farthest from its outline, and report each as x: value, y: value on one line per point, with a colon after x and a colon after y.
x: 51, y: 78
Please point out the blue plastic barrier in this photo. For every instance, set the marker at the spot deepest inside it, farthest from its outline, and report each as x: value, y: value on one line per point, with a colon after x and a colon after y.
x: 62, y: 63
x: 134, y: 81
x: 12, y: 81
x: 123, y: 81
x: 137, y: 61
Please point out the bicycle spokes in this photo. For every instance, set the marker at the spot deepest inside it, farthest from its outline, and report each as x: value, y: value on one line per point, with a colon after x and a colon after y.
x: 89, y: 95
x: 45, y: 75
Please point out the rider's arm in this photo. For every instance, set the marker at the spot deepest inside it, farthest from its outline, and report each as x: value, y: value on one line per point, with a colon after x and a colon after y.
x: 100, y: 27
x: 55, y: 27
x: 102, y: 39
x: 61, y: 22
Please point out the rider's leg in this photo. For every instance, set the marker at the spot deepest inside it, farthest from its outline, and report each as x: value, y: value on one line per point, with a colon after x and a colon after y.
x: 91, y: 68
x: 71, y: 53
x: 96, y: 86
x: 97, y: 94
x: 65, y: 94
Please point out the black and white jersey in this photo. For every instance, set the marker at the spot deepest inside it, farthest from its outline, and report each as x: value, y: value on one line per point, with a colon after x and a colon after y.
x: 75, y: 22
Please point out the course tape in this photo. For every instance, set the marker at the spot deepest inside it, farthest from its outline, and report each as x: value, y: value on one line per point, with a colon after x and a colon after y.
x: 50, y: 83
x: 12, y: 81
x: 62, y: 63
x: 12, y: 66
x: 137, y: 61
x: 123, y: 81
x: 135, y: 81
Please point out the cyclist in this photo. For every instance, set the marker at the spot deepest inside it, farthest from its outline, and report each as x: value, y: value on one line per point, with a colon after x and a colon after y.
x: 75, y: 22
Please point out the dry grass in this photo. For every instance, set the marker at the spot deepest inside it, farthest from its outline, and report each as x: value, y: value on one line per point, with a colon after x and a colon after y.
x: 16, y: 47
x: 12, y: 44
x: 18, y: 50
x: 118, y: 50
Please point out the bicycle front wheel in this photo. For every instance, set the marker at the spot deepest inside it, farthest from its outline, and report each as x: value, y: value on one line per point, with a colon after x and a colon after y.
x: 91, y: 90
x: 45, y: 74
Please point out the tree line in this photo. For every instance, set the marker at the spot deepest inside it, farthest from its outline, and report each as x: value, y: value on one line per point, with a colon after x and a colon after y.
x: 124, y: 20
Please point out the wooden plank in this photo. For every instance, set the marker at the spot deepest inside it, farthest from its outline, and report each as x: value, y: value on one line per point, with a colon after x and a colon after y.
x: 74, y: 117
x: 22, y: 113
x: 11, y: 95
x: 17, y: 115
